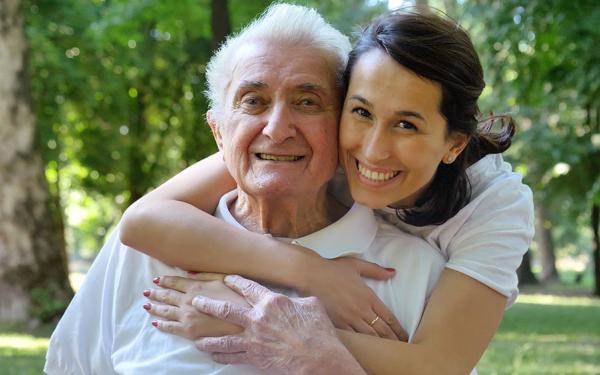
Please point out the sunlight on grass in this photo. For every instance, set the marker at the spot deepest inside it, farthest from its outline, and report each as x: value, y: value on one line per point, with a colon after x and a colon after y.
x: 547, y: 299
x: 22, y: 354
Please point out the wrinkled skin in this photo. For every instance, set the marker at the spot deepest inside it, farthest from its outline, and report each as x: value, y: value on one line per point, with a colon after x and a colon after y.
x: 256, y: 327
x: 281, y: 334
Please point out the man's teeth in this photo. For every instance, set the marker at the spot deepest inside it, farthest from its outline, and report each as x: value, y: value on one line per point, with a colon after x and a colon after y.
x: 278, y: 157
x: 376, y: 176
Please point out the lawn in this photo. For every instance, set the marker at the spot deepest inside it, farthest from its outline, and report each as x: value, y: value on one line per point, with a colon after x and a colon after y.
x: 541, y: 334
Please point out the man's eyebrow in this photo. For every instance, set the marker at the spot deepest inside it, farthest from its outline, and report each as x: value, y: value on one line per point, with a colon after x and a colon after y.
x: 257, y: 85
x: 312, y: 87
x: 401, y: 112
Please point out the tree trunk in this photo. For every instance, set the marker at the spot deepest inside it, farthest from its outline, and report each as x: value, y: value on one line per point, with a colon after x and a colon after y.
x: 545, y: 244
x: 219, y: 21
x: 524, y: 272
x: 596, y: 246
x: 33, y: 268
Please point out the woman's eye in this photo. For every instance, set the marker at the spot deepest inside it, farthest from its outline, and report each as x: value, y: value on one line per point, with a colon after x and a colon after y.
x: 406, y: 125
x: 362, y: 112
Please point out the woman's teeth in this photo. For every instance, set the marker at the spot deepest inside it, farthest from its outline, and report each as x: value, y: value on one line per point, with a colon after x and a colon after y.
x: 376, y: 176
x: 278, y: 157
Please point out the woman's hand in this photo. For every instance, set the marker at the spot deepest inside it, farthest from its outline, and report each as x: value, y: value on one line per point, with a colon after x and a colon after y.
x: 281, y: 334
x: 175, y: 305
x: 350, y: 303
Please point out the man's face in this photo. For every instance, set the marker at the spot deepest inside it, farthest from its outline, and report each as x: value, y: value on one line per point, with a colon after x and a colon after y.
x: 278, y: 129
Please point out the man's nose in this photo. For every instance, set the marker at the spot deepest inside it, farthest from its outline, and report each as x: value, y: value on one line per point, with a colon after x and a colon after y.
x: 280, y: 124
x: 376, y: 144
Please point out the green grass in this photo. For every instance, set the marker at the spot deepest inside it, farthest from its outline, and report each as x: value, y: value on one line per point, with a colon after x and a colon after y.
x: 544, y: 334
x: 540, y: 334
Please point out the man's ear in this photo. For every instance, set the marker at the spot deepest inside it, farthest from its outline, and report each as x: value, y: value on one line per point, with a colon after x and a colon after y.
x: 214, y: 127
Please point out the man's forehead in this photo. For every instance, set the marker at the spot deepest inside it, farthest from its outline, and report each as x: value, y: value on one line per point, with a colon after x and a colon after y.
x: 262, y: 66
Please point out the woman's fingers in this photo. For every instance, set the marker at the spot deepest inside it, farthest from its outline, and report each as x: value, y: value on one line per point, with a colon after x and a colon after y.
x: 205, y: 276
x: 367, y: 269
x: 166, y: 312
x: 166, y: 296
x: 388, y: 321
x: 180, y: 284
x: 361, y: 326
x: 172, y: 327
x: 223, y: 310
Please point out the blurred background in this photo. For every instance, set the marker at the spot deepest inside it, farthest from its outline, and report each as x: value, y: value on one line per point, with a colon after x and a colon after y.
x: 115, y: 90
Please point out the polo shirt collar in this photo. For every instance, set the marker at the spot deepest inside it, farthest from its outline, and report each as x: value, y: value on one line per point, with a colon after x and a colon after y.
x: 352, y: 234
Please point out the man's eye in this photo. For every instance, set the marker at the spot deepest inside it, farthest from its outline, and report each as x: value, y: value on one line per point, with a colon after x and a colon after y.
x: 362, y: 112
x: 251, y: 101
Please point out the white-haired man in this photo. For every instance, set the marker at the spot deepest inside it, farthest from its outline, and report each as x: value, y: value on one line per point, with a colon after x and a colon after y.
x: 274, y: 112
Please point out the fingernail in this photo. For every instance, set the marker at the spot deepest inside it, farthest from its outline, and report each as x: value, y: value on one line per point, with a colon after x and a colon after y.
x: 147, y: 306
x: 147, y: 293
x: 390, y: 269
x: 156, y: 280
x: 155, y: 323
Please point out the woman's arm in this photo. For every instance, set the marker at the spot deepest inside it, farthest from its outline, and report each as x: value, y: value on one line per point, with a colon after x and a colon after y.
x: 457, y: 326
x: 171, y: 224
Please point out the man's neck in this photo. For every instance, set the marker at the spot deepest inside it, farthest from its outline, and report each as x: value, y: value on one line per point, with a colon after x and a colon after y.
x: 289, y: 216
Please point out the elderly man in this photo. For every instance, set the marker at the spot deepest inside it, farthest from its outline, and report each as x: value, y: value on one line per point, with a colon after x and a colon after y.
x: 275, y: 121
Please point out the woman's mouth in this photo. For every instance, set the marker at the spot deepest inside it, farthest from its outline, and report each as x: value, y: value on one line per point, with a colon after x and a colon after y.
x: 375, y: 176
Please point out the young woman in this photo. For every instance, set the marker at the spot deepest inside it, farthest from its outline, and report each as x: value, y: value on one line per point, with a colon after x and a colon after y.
x: 410, y: 147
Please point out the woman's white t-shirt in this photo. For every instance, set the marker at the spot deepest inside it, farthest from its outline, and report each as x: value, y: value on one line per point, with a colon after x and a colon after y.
x: 487, y: 238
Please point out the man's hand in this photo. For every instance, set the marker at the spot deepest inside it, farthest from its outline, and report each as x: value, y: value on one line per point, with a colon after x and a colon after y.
x: 281, y: 334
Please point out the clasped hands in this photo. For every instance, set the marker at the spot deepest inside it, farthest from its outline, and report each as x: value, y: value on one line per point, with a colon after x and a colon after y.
x: 240, y: 321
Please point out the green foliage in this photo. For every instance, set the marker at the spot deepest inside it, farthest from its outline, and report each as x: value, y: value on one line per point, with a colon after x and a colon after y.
x: 541, y: 66
x: 45, y: 304
x: 118, y: 91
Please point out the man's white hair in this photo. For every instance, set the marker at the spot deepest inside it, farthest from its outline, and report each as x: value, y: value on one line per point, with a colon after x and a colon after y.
x: 280, y: 23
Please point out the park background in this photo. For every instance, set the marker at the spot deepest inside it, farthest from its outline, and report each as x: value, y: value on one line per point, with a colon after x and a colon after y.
x: 110, y: 104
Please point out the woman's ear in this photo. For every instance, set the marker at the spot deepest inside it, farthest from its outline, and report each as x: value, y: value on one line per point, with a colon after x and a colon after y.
x: 458, y: 142
x: 214, y: 127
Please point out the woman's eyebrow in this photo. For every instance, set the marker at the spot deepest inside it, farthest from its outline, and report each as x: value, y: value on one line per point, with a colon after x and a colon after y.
x: 361, y: 99
x: 411, y: 114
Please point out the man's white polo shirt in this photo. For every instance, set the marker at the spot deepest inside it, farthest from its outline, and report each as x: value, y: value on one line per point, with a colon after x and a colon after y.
x: 106, y: 331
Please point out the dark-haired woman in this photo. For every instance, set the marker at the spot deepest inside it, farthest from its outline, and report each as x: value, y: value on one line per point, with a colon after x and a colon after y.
x: 410, y: 147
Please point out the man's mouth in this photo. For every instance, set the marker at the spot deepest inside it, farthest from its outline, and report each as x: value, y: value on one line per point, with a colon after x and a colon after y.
x: 264, y: 156
x: 374, y: 175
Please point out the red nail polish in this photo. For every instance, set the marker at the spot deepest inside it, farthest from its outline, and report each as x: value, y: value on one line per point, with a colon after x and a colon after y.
x: 155, y: 323
x: 390, y: 269
x: 147, y: 306
x: 156, y: 280
x: 146, y: 293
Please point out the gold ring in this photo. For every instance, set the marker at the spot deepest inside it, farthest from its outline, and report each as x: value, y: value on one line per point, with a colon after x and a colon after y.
x: 374, y: 320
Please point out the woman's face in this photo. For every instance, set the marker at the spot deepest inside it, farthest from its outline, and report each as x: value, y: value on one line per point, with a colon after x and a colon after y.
x: 392, y: 134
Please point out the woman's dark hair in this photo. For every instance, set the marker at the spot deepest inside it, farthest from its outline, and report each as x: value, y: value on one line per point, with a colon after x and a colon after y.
x: 439, y: 50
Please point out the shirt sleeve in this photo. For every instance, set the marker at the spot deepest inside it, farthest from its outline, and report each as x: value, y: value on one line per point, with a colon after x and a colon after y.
x: 81, y: 342
x: 490, y: 244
